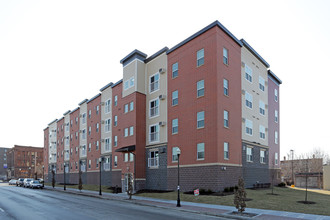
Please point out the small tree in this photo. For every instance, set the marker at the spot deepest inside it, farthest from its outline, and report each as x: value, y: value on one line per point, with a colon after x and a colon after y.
x: 130, y: 187
x: 53, y: 178
x: 240, y: 196
x: 80, y: 185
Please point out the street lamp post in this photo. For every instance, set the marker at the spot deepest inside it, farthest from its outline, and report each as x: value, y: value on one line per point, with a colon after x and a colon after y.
x: 64, y: 176
x: 43, y: 176
x: 100, y: 164
x: 178, y: 151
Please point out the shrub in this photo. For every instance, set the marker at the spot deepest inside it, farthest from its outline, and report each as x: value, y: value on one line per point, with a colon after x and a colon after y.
x: 282, y: 184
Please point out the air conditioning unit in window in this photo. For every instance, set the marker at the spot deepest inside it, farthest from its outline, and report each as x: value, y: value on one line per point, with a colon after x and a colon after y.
x: 162, y: 97
x: 162, y: 70
x: 162, y: 123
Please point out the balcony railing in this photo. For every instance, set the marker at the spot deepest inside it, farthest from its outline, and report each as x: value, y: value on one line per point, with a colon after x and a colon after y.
x: 153, y: 162
x: 106, y: 166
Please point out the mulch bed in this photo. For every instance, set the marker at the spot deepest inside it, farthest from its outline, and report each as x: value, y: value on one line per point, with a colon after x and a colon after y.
x: 307, y: 202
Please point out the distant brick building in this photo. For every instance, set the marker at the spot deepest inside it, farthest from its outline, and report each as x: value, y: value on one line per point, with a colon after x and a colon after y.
x: 25, y: 161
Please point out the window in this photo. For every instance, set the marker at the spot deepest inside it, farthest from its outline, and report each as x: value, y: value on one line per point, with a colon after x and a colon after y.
x: 97, y: 145
x: 115, y: 121
x: 125, y: 132
x: 175, y: 126
x: 84, y: 134
x: 262, y: 156
x: 116, y: 161
x: 225, y: 87
x: 200, y: 57
x: 97, y: 163
x: 276, y: 116
x: 174, y: 154
x: 131, y: 131
x: 126, y: 157
x: 248, y: 73
x: 84, y: 118
x: 248, y: 100
x: 175, y: 97
x: 107, y: 126
x: 107, y: 106
x: 115, y: 142
x: 107, y: 144
x: 154, y: 108
x: 131, y: 157
x: 89, y: 113
x: 276, y: 158
x: 225, y: 56
x: 126, y: 108
x: 97, y: 109
x: 153, y: 159
x: 126, y: 85
x: 262, y: 132
x: 97, y: 127
x: 154, y: 133
x: 129, y: 83
x: 200, y: 88
x: 89, y: 164
x: 89, y: 147
x: 131, y: 106
x: 116, y: 100
x: 154, y: 83
x: 276, y: 137
x: 249, y: 157
x: 175, y: 70
x: 248, y: 127
x: 200, y: 151
x: 261, y: 83
x: 275, y: 95
x: 200, y: 119
x: 106, y: 164
x: 226, y: 150
x: 262, y: 107
x: 225, y: 119
x: 89, y: 130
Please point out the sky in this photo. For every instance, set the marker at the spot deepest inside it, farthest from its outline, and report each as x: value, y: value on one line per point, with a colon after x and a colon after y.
x: 54, y: 54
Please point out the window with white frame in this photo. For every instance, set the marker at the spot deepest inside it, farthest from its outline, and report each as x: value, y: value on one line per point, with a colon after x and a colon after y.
x: 175, y: 126
x: 125, y: 132
x: 276, y: 137
x: 107, y: 107
x: 90, y: 113
x: 131, y: 82
x: 154, y: 108
x: 67, y: 141
x: 175, y: 70
x: 126, y: 108
x: 226, y: 150
x: 97, y: 145
x: 225, y: 119
x: 276, y: 158
x: 249, y: 156
x: 89, y: 130
x: 115, y: 141
x: 97, y: 127
x: 225, y: 56
x: 200, y: 88
x: 261, y: 83
x: 200, y: 119
x: 67, y: 127
x: 153, y: 158
x: 200, y: 151
x: 154, y: 133
x: 126, y: 157
x: 107, y: 126
x: 225, y: 87
x: 115, y: 101
x: 115, y: 121
x: 276, y: 116
x: 97, y: 109
x: 200, y: 57
x: 106, y: 164
x: 248, y: 73
x: 174, y: 154
x: 262, y: 156
x: 175, y: 97
x: 115, y: 161
x: 107, y: 144
x: 154, y: 83
x: 126, y: 85
x: 131, y: 106
x: 262, y: 132
x: 84, y: 118
x: 275, y: 95
x: 83, y: 150
x: 131, y: 157
x: 248, y: 100
x: 262, y: 107
x: 248, y: 127
x: 131, y: 131
x: 84, y: 134
x: 89, y: 147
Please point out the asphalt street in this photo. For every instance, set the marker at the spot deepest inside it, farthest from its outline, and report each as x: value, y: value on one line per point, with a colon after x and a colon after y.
x: 22, y: 203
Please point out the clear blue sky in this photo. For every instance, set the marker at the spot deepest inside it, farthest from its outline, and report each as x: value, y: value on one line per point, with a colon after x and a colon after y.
x: 54, y: 54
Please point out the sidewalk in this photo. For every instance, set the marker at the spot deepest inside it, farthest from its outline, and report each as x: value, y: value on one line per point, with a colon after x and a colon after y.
x: 209, y: 209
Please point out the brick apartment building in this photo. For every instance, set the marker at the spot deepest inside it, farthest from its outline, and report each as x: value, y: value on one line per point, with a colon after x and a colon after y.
x: 212, y: 95
x: 25, y: 161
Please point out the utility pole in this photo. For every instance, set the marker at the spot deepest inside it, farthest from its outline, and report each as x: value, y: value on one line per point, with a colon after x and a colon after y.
x: 292, y: 167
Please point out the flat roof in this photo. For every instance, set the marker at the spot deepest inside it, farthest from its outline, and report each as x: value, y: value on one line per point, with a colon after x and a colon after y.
x: 262, y: 60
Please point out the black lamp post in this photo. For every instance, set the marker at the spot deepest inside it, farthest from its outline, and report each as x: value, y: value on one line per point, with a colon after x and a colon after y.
x: 100, y: 164
x: 178, y: 151
x: 64, y: 176
x: 43, y: 176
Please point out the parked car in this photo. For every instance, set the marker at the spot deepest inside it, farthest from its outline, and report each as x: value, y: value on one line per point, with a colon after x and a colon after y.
x: 12, y: 182
x: 26, y: 182
x: 35, y: 184
x: 19, y: 182
x: 41, y: 180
